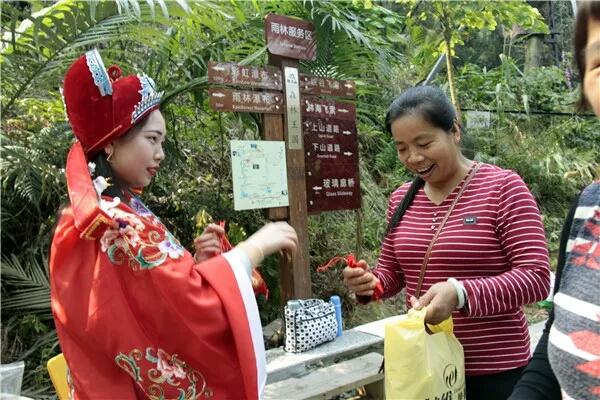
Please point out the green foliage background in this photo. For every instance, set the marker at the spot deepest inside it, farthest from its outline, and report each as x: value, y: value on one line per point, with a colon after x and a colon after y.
x: 384, y: 46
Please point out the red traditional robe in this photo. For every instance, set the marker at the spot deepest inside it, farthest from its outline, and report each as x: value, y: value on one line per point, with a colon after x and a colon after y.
x: 137, y: 318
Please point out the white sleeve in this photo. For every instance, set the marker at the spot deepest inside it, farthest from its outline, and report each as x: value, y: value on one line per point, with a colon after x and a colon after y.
x: 239, y: 258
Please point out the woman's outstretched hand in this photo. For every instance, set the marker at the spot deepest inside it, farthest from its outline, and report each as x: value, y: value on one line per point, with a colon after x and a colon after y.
x: 269, y: 239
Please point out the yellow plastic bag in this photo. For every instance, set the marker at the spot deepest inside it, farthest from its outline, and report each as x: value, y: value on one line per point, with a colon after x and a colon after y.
x: 423, y: 366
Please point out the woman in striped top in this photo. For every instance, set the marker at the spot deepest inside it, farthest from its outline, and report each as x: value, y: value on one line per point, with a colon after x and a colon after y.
x: 489, y: 259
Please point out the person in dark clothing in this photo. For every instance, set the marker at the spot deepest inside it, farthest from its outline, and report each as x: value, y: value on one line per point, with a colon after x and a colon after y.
x: 538, y: 381
x: 565, y: 362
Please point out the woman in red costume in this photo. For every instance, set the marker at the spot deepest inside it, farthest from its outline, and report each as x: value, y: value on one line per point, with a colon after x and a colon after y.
x: 137, y: 315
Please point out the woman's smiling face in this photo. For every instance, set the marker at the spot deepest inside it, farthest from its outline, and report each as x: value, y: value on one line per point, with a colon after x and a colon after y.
x: 426, y: 150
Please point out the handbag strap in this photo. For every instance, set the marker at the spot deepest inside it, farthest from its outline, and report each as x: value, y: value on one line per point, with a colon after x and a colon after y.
x: 439, y: 229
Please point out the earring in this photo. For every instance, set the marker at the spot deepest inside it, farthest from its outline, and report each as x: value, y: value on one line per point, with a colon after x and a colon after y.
x: 109, y: 157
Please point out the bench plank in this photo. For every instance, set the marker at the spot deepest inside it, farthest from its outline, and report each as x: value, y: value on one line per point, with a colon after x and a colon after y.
x: 329, y: 381
x: 282, y: 365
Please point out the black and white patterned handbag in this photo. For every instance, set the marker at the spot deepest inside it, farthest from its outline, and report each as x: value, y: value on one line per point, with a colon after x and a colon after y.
x: 308, y: 323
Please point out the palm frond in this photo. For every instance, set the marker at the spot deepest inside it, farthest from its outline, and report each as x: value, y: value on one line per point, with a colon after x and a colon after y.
x: 30, y: 171
x: 42, y: 46
x: 29, y: 283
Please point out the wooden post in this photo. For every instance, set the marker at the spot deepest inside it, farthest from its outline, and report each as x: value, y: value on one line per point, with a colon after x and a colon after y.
x: 294, y: 272
x: 288, y: 39
x: 359, y: 233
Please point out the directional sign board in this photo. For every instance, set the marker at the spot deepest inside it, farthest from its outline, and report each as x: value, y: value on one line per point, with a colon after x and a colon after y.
x: 315, y: 85
x: 320, y: 108
x: 242, y: 75
x: 332, y: 187
x: 246, y: 101
x: 331, y: 155
x: 290, y: 37
x: 333, y: 140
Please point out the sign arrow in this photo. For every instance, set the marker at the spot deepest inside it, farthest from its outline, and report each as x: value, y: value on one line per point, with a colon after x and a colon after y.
x: 317, y: 188
x: 347, y: 153
x: 348, y: 85
x: 346, y: 133
x: 343, y: 110
x: 218, y: 94
x: 218, y: 68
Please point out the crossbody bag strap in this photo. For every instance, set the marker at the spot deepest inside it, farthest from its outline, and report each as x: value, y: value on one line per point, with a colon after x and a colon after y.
x: 439, y: 229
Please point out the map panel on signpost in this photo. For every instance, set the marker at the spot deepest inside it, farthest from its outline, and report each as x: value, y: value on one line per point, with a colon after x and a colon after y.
x: 259, y: 174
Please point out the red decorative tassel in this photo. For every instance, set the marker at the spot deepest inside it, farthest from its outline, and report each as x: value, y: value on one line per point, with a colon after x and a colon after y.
x: 258, y: 282
x: 223, y: 239
x: 352, y: 263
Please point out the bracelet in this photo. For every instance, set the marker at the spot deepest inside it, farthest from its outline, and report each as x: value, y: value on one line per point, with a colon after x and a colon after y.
x: 460, y: 292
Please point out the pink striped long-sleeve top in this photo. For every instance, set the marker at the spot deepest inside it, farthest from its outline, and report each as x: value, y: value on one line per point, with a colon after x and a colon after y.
x: 494, y: 244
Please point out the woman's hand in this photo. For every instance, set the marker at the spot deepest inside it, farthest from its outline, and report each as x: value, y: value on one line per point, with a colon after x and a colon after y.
x: 359, y: 279
x: 272, y: 237
x: 207, y: 245
x: 441, y: 299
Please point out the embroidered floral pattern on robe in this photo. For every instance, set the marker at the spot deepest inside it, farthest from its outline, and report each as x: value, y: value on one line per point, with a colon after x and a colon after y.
x: 139, y: 240
x: 163, y: 376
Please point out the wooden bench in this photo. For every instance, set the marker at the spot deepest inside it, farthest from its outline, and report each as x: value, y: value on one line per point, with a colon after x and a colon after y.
x: 350, y: 361
x: 283, y: 365
x: 330, y: 381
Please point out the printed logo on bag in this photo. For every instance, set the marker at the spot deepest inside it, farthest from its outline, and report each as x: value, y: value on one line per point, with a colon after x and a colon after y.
x: 444, y: 396
x: 450, y: 378
x: 470, y: 220
x: 450, y: 375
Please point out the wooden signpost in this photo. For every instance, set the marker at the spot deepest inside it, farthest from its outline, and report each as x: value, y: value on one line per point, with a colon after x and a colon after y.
x: 320, y: 134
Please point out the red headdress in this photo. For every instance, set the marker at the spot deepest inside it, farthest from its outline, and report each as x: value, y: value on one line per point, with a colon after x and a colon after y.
x: 101, y: 106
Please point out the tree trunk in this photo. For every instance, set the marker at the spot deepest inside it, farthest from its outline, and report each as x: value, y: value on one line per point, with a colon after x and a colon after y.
x: 450, y: 72
x: 447, y: 31
x: 534, y: 53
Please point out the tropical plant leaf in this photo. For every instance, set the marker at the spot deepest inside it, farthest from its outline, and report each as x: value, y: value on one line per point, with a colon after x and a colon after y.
x: 43, y: 44
x: 29, y: 283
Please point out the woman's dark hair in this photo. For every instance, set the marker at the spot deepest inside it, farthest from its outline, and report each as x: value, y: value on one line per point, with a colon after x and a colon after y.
x: 587, y: 10
x: 432, y: 104
x: 416, y: 184
x: 104, y: 169
x: 428, y: 102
